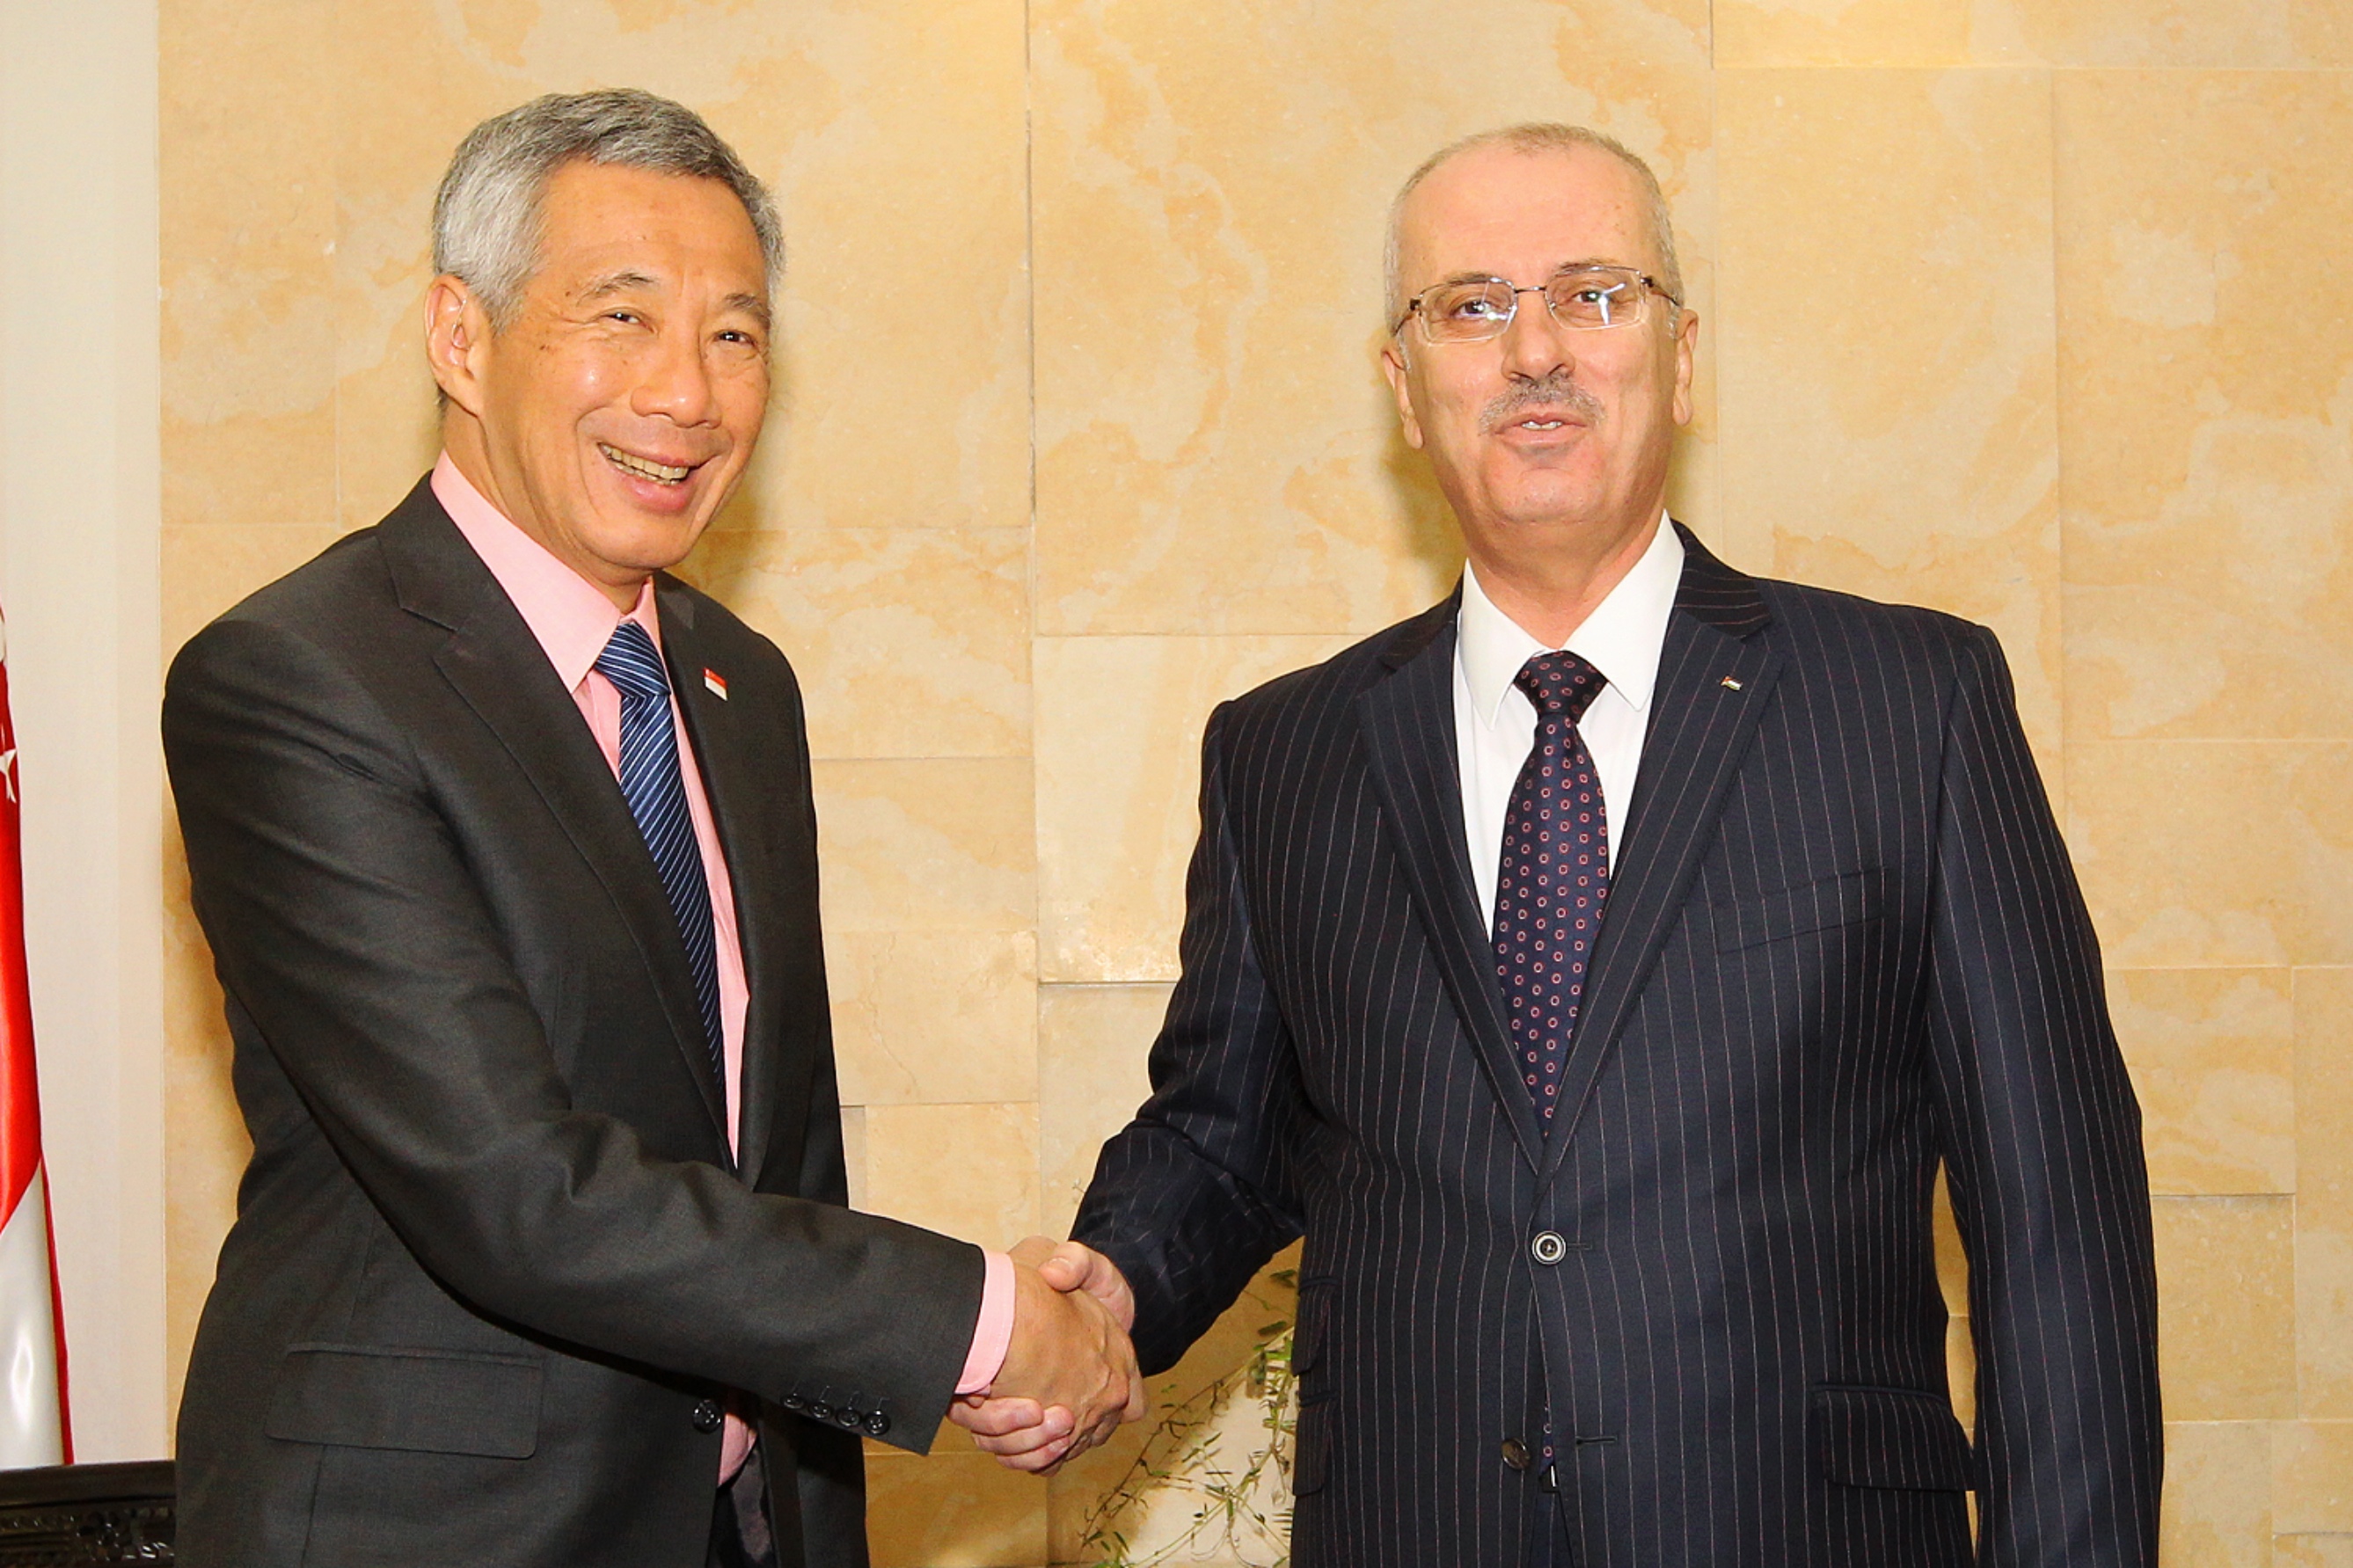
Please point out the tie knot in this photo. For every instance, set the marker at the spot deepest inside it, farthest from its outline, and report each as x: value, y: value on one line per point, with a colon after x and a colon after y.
x: 1560, y: 683
x: 632, y: 663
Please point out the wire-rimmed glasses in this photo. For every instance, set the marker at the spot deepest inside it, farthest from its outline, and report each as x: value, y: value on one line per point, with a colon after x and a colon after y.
x: 1585, y: 299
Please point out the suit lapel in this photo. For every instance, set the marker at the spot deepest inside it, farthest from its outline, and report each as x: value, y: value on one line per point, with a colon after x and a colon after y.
x: 731, y: 782
x: 1407, y: 722
x: 498, y: 669
x: 1713, y: 685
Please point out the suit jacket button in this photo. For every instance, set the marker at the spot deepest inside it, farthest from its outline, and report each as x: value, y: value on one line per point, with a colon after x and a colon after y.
x: 1515, y: 1454
x: 820, y: 1411
x: 796, y: 1404
x: 877, y: 1423
x: 849, y: 1418
x: 707, y: 1415
x: 1548, y: 1248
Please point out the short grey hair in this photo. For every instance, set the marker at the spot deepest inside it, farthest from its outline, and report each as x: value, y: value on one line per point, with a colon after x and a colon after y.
x: 488, y: 215
x: 1538, y: 136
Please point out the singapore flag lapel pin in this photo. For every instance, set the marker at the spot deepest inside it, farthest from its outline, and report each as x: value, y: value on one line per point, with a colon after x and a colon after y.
x: 715, y: 683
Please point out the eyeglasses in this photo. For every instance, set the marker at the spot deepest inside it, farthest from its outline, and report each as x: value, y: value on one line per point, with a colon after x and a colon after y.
x: 1588, y: 298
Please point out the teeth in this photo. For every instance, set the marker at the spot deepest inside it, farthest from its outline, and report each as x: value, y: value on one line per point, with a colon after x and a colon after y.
x: 645, y: 468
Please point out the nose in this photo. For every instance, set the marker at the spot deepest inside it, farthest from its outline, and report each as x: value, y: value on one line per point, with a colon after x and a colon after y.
x: 677, y: 383
x: 1535, y: 346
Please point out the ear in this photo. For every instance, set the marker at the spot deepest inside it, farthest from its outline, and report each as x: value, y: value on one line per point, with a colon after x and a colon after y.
x: 1394, y: 366
x: 1687, y: 346
x: 456, y: 341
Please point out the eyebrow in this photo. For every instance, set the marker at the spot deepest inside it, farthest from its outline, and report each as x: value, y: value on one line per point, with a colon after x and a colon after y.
x: 614, y: 283
x: 751, y: 305
x: 1580, y: 264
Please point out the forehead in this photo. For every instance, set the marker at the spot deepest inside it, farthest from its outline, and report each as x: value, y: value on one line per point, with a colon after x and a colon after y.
x: 1520, y: 214
x: 595, y: 217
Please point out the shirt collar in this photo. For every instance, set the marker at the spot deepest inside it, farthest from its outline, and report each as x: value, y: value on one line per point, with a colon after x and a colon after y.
x: 569, y: 614
x: 1622, y: 638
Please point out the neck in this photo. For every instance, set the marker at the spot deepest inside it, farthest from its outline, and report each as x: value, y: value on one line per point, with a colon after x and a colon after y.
x: 462, y: 438
x: 1550, y: 593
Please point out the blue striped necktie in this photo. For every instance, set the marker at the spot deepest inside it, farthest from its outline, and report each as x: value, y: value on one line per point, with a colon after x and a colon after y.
x: 651, y: 784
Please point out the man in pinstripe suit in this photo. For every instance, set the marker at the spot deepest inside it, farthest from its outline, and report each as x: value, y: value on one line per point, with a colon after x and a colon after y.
x: 1629, y: 1264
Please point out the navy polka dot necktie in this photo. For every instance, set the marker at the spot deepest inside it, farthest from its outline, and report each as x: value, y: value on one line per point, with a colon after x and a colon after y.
x: 651, y: 784
x: 1555, y: 876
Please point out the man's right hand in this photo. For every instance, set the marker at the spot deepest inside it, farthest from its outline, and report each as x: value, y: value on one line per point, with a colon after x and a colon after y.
x: 1034, y: 1431
x: 1070, y: 1361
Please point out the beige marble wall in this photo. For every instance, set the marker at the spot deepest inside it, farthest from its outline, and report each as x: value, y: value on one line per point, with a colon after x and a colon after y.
x: 2027, y: 309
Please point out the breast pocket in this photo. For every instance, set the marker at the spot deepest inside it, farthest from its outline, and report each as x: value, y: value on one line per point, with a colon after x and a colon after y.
x: 1848, y: 899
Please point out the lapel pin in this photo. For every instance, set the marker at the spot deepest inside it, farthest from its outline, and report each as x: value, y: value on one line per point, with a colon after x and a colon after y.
x: 1729, y: 684
x: 717, y: 687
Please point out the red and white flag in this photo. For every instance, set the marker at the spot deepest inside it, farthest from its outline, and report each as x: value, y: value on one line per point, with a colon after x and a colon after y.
x: 32, y: 1429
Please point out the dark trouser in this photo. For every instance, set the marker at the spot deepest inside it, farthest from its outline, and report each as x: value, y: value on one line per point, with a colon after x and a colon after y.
x: 739, y: 1520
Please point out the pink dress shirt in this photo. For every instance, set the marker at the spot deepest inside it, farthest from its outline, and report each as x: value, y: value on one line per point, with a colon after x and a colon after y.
x: 573, y: 620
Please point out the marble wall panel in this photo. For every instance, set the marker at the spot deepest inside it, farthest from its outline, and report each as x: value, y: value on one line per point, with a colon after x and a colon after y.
x: 2312, y: 1476
x: 927, y: 845
x: 1215, y: 451
x: 2324, y: 1199
x: 1093, y: 1045
x: 248, y: 216
x: 1889, y: 412
x: 2312, y: 1551
x: 1119, y: 742
x: 2233, y: 34
x: 2226, y: 1329
x: 955, y: 1509
x: 926, y: 1018
x: 1843, y: 33
x: 2208, y: 372
x: 2168, y: 889
x: 968, y: 1170
x: 2212, y: 1054
x: 908, y: 642
x: 2239, y: 34
x: 2218, y: 1495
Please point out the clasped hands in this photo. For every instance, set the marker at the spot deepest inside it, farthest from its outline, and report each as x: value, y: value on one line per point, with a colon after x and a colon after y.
x: 1070, y: 1376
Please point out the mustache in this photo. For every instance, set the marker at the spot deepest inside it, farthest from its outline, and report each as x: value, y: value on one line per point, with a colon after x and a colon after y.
x: 1555, y: 390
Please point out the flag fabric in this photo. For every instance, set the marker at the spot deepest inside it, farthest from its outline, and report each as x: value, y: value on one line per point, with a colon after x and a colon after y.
x: 33, y: 1426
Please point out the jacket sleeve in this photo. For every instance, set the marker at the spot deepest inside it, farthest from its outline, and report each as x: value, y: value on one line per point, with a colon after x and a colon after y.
x: 346, y: 922
x: 2044, y: 1157
x: 1193, y: 1197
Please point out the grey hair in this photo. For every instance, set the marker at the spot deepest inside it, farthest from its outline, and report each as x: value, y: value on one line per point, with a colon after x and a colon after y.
x: 1538, y: 136
x: 488, y: 217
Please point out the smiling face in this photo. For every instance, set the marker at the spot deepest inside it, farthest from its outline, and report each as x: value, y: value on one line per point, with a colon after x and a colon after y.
x: 612, y: 417
x: 1550, y: 442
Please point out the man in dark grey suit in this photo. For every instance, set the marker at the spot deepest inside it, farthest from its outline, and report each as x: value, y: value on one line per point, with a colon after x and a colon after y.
x: 1595, y: 969
x: 504, y: 842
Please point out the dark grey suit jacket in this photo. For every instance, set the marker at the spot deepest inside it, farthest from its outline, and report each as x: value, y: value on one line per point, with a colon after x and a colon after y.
x: 1843, y: 944
x: 493, y: 1265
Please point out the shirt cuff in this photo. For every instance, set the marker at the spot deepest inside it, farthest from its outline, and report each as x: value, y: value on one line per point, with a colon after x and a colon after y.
x: 993, y: 1335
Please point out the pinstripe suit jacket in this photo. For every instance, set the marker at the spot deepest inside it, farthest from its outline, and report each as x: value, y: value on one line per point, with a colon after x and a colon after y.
x: 1843, y: 944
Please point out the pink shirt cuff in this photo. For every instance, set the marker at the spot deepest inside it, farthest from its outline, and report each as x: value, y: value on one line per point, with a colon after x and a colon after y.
x: 993, y: 1335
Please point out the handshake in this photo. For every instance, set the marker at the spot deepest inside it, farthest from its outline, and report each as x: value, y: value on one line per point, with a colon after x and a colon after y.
x: 1070, y: 1376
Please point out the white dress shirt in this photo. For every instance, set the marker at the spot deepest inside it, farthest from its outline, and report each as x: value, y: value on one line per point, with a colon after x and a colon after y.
x: 1496, y: 724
